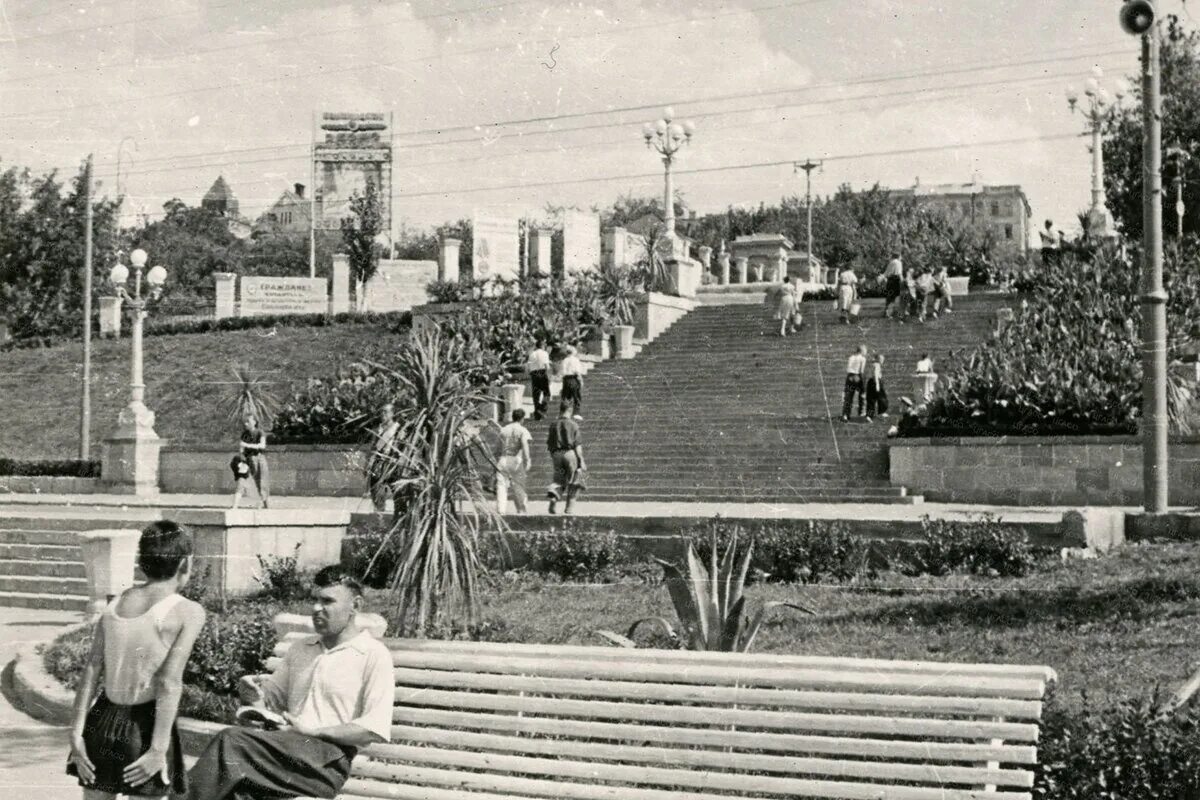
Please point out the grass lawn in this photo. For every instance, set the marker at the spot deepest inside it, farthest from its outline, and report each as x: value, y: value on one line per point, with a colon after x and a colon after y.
x: 1113, y: 628
x: 186, y: 378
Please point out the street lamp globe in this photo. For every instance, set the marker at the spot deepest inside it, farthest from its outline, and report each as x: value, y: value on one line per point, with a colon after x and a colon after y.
x: 157, y: 276
x: 1121, y: 89
x: 138, y: 258
x: 1097, y: 72
x: 668, y: 113
x: 1091, y: 87
x: 689, y: 129
x: 660, y: 127
x: 648, y: 132
x: 676, y: 131
x: 118, y: 274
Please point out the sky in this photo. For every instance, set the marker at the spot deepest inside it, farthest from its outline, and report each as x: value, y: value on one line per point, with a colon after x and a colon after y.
x: 883, y: 91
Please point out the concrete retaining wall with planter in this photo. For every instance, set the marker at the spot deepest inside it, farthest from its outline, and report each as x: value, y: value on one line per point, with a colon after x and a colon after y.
x: 656, y: 312
x: 314, y: 470
x: 1039, y: 471
x: 229, y: 541
x: 45, y: 484
x: 35, y: 691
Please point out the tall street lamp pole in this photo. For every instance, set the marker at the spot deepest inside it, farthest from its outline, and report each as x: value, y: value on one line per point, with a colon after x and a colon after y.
x: 130, y: 463
x: 666, y: 137
x: 1096, y: 109
x: 808, y: 166
x: 1138, y: 19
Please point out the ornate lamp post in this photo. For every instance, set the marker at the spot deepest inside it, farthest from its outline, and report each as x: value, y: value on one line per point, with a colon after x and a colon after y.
x: 1096, y: 109
x: 130, y: 464
x: 666, y: 137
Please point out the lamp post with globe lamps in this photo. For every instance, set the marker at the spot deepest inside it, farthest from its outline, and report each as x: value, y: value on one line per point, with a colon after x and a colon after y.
x: 1098, y: 107
x: 666, y: 137
x: 130, y: 464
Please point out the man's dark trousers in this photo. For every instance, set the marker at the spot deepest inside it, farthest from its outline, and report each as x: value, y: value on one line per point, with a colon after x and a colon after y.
x: 854, y: 388
x: 540, y: 381
x: 249, y: 764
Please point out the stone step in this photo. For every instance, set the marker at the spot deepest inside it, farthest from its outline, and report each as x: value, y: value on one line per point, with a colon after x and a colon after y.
x: 40, y: 552
x: 29, y: 584
x: 706, y: 495
x: 41, y: 568
x: 39, y: 600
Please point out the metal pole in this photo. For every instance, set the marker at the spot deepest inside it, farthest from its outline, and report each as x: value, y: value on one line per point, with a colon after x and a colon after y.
x: 668, y: 197
x: 1178, y: 181
x: 1154, y: 296
x: 312, y: 200
x: 85, y: 394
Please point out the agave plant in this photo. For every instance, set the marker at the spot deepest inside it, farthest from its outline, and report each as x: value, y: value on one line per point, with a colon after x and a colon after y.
x: 250, y: 396
x: 710, y: 603
x: 431, y: 470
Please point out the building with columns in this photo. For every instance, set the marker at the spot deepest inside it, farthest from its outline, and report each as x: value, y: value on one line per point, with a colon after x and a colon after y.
x: 1004, y: 210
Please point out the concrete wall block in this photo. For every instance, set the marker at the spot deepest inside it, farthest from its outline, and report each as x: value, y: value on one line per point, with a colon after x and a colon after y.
x: 1100, y: 529
x: 1126, y: 477
x: 1033, y: 455
x: 965, y: 456
x: 1034, y: 497
x: 1104, y: 455
x: 1069, y: 455
x: 1000, y: 455
x: 1093, y: 480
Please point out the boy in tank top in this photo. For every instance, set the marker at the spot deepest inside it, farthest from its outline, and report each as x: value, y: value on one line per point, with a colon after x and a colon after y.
x: 123, y: 740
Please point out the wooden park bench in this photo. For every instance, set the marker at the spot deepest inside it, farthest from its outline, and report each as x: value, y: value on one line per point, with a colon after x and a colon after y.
x: 485, y: 721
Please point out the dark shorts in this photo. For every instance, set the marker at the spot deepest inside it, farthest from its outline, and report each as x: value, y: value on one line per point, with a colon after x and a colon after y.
x: 115, y: 737
x: 893, y: 287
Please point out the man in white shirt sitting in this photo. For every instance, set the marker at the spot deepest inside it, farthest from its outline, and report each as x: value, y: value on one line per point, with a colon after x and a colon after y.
x: 856, y: 365
x: 335, y: 691
x: 538, y: 367
x: 513, y: 463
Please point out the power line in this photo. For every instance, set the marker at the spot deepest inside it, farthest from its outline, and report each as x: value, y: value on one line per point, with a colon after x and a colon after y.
x: 117, y: 24
x: 699, y: 115
x: 419, y: 59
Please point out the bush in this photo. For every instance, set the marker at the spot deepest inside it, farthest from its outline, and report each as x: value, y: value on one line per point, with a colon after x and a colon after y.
x: 979, y: 547
x: 1069, y: 363
x: 65, y: 468
x: 576, y: 553
x: 359, y: 549
x: 1129, y: 751
x: 281, y: 577
x: 807, y: 551
x: 340, y: 408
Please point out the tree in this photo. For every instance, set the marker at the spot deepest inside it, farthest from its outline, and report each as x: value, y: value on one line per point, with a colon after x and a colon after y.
x: 1122, y: 142
x: 359, y: 231
x: 192, y: 243
x: 41, y: 250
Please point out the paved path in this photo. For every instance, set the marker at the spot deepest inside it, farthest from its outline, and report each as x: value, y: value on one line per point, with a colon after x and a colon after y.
x: 122, y: 504
x: 32, y: 753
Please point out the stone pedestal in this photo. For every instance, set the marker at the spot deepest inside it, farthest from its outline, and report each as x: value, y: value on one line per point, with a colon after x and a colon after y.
x: 757, y: 266
x: 542, y: 240
x: 779, y: 269
x: 623, y: 339
x: 512, y: 394
x: 129, y: 464
x: 742, y: 264
x: 704, y: 254
x: 723, y: 269
x: 108, y: 561
x: 685, y: 276
x: 448, y: 262
x: 613, y: 248
x: 339, y: 290
x: 110, y: 317
x: 923, y: 383
x: 226, y: 295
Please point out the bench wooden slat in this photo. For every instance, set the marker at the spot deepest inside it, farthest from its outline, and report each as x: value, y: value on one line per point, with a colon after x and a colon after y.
x: 694, y: 715
x: 536, y: 787
x: 779, y: 660
x: 830, y: 680
x: 674, y: 756
x: 357, y: 787
x: 744, y: 740
x: 716, y: 695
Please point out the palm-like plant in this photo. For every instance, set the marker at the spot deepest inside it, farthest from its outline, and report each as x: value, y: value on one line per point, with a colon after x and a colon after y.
x: 430, y: 465
x: 250, y: 396
x: 712, y: 609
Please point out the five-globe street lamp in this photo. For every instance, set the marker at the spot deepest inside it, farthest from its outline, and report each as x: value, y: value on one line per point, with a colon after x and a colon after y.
x: 136, y: 414
x: 666, y: 137
x: 1097, y: 106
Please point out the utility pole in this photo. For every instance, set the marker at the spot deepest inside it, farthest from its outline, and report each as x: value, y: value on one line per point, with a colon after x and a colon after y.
x: 808, y: 166
x: 85, y: 397
x: 312, y: 199
x: 1154, y: 296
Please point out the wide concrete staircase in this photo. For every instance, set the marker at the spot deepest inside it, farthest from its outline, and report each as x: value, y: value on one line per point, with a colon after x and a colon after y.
x: 722, y: 409
x: 41, y: 565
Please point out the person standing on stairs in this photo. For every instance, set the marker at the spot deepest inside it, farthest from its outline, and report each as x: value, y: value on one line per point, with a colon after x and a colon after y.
x: 538, y: 367
x: 513, y: 464
x: 877, y: 399
x: 572, y: 382
x: 565, y: 454
x: 856, y: 366
x: 785, y: 307
x: 847, y: 292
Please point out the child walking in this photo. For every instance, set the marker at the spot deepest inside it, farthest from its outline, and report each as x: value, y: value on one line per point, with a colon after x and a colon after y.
x: 124, y: 740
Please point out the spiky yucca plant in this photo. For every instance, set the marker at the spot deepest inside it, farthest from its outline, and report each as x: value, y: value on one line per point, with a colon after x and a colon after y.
x: 430, y: 468
x: 250, y: 395
x: 710, y: 603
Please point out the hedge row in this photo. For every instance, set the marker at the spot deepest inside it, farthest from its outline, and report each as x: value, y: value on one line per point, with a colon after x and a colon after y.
x: 65, y: 468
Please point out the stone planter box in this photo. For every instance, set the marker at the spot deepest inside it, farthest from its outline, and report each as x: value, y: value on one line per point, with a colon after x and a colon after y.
x: 623, y: 341
x: 959, y: 286
x: 655, y: 312
x: 1039, y: 471
x: 429, y: 313
x: 45, y: 484
x: 313, y: 470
